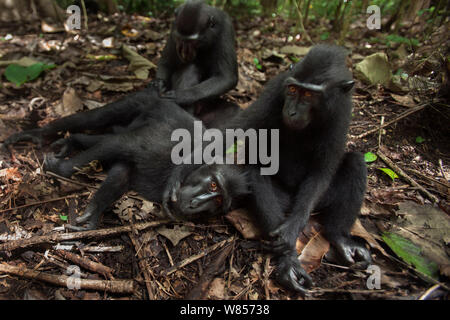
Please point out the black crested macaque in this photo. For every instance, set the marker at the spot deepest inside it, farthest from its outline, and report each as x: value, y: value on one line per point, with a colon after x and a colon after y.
x: 208, y: 190
x: 311, y: 106
x: 198, y: 64
x: 140, y: 160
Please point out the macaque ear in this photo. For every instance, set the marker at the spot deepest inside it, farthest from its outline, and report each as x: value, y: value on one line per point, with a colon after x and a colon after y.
x: 346, y: 86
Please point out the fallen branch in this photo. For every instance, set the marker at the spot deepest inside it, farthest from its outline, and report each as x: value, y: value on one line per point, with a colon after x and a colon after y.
x: 400, y: 117
x: 115, y: 286
x: 86, y: 263
x: 410, y: 180
x: 92, y: 249
x: 193, y: 258
x: 429, y: 178
x: 58, y: 237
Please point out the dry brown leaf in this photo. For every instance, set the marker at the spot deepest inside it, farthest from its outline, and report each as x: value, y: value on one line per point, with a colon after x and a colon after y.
x: 297, y: 50
x: 313, y: 252
x: 407, y: 100
x: 176, y: 234
x: 217, y: 289
x: 242, y: 221
x: 445, y: 270
x: 427, y: 227
x: 71, y: 103
x: 359, y: 231
x: 12, y: 174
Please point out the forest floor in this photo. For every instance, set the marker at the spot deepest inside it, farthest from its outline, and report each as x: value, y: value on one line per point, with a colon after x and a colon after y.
x: 404, y: 220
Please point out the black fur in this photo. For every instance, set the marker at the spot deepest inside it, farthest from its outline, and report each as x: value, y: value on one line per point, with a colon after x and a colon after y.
x: 212, y: 72
x: 195, y: 85
x: 315, y: 173
x: 139, y: 159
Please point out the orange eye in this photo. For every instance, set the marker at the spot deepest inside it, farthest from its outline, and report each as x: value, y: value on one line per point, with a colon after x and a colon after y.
x: 292, y: 89
x: 307, y: 94
x: 213, y: 186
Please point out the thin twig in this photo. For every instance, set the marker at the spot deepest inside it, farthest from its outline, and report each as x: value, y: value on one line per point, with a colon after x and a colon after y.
x: 265, y: 279
x: 300, y: 23
x: 410, y: 180
x: 445, y: 184
x: 54, y: 175
x: 46, y: 201
x: 368, y: 291
x: 381, y: 131
x: 200, y: 290
x: 401, y: 116
x: 442, y: 169
x: 193, y: 258
x: 142, y: 262
x: 83, y: 5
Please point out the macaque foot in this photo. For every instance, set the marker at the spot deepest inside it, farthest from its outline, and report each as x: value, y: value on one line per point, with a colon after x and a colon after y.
x: 85, y: 227
x: 58, y: 166
x: 88, y: 221
x: 291, y: 275
x: 349, y: 252
x: 65, y: 147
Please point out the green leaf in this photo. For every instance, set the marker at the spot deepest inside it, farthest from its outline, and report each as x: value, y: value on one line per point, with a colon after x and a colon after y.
x: 63, y: 218
x: 294, y: 59
x: 19, y: 75
x: 370, y: 157
x: 389, y: 172
x: 324, y: 36
x: 257, y: 64
x: 399, y: 39
x: 419, y: 139
x: 411, y: 254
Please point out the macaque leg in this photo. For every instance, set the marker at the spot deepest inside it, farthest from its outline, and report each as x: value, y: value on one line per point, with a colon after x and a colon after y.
x: 104, y: 150
x: 342, y: 206
x: 76, y: 141
x: 114, y: 186
x: 120, y: 112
